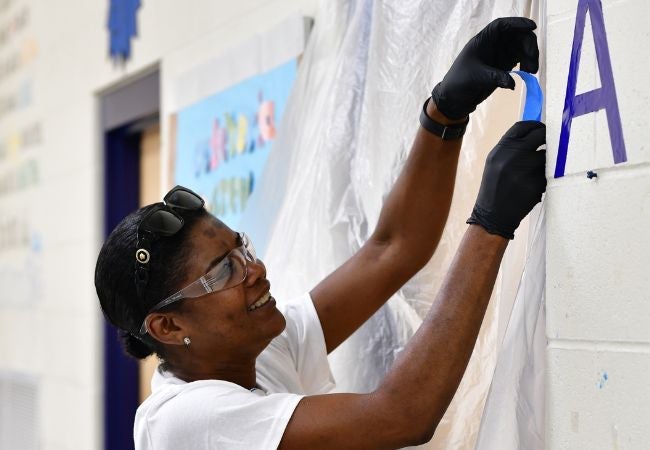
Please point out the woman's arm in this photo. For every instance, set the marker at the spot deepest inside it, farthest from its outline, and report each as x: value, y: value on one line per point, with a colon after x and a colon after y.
x: 407, y: 407
x: 414, y: 396
x: 408, y: 231
x: 415, y: 212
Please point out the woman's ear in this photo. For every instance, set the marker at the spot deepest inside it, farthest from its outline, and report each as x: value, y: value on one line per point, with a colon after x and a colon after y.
x: 166, y: 328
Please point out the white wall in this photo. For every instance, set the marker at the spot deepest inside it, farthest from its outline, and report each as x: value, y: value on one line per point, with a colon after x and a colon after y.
x: 57, y: 337
x: 598, y: 250
x: 598, y: 245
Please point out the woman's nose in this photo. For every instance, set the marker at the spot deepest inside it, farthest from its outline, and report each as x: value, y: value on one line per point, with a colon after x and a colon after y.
x: 254, y: 271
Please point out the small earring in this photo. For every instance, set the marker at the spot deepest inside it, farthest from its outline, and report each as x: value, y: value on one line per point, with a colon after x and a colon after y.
x: 187, y: 341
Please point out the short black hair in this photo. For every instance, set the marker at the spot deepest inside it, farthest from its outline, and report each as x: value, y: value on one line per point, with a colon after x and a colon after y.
x: 115, y: 278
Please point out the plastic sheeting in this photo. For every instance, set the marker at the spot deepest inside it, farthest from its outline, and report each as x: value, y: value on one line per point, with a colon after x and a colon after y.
x: 347, y: 130
x: 514, y: 414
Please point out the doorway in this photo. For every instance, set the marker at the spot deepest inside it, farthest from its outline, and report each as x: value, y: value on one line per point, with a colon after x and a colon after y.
x: 131, y: 148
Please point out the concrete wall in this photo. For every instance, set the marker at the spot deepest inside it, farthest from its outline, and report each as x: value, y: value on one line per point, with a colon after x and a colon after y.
x: 598, y: 246
x: 51, y: 328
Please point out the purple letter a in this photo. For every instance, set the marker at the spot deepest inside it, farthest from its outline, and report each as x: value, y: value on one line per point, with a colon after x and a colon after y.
x: 592, y: 101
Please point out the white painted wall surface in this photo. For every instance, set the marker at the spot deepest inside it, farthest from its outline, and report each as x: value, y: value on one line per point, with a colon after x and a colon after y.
x: 598, y: 248
x: 59, y: 337
x: 598, y: 245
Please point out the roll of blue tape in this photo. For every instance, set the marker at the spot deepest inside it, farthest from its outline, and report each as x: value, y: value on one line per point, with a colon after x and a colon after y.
x: 534, y: 96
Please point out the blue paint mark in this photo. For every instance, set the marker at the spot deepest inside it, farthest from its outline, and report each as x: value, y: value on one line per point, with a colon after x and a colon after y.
x: 592, y: 101
x: 603, y: 379
x: 123, y: 27
x: 534, y: 96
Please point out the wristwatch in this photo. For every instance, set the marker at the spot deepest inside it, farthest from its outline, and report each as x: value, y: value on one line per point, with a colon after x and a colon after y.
x: 445, y: 132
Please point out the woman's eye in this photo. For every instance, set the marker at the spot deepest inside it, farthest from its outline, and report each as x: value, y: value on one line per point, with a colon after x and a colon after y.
x: 224, y: 270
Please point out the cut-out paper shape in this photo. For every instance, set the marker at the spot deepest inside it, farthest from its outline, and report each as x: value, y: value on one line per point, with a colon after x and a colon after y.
x: 122, y: 26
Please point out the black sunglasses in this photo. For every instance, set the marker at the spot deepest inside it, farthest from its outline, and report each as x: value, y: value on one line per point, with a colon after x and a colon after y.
x: 162, y: 221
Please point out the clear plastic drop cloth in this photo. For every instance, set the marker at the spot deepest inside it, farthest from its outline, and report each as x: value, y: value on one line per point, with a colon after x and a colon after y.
x: 346, y: 132
x: 514, y: 413
x: 513, y: 418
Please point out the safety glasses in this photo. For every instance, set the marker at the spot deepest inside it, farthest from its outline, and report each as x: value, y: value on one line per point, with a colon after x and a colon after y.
x: 162, y: 220
x: 229, y: 272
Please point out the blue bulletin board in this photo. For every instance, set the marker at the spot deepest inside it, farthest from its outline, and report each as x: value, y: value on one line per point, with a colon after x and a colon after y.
x: 223, y: 141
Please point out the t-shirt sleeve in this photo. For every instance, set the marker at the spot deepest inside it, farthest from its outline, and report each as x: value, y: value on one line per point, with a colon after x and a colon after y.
x: 207, y: 418
x: 306, y: 343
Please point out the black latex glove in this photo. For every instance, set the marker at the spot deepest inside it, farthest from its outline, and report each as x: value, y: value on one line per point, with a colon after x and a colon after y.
x: 513, y: 179
x: 483, y: 65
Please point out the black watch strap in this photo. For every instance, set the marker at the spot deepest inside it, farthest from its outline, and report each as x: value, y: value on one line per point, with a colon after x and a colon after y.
x: 445, y: 132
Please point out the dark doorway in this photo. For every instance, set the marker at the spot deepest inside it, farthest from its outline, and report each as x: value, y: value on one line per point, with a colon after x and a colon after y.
x: 126, y: 112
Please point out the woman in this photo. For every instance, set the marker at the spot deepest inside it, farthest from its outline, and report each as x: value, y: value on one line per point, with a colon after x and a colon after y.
x: 239, y: 371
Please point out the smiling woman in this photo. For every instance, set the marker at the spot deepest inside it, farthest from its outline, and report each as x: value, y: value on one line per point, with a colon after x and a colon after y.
x: 241, y: 372
x: 208, y: 312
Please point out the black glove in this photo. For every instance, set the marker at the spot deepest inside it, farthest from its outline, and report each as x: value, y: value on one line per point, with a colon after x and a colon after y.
x: 483, y: 65
x: 513, y: 179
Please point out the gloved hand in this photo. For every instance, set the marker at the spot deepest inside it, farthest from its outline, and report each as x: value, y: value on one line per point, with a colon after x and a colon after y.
x: 513, y: 179
x: 483, y: 65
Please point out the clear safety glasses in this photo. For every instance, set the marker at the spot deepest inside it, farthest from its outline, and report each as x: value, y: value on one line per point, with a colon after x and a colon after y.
x: 229, y: 272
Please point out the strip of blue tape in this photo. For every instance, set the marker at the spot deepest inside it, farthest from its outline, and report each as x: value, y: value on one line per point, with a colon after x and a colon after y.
x: 534, y: 96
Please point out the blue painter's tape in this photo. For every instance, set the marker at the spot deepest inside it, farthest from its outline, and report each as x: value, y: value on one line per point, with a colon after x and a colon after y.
x: 534, y: 96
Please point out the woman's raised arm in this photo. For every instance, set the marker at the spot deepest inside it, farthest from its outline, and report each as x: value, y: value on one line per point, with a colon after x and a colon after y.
x: 407, y: 407
x: 415, y: 211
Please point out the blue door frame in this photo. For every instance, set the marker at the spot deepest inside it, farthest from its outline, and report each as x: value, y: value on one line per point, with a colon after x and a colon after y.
x: 121, y: 194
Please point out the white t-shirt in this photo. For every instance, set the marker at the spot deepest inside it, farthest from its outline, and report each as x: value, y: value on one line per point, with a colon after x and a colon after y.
x: 217, y: 414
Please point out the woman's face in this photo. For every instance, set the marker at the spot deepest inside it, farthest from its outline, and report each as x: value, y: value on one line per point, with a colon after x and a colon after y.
x: 225, y: 321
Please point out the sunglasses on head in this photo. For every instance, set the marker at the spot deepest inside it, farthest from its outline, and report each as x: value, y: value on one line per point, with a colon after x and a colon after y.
x: 162, y: 220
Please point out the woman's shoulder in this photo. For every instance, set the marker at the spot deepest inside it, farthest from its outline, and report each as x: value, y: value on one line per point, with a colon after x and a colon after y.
x: 173, y: 403
x: 187, y: 415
